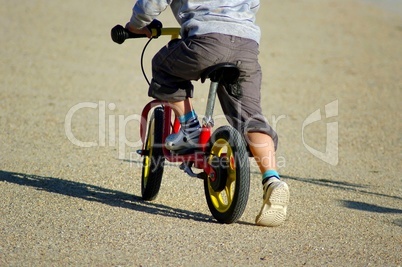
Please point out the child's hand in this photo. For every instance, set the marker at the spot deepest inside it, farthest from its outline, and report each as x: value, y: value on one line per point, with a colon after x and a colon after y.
x: 144, y: 30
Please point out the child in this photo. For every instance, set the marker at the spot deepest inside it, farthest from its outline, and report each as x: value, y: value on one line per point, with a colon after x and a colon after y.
x: 215, y: 32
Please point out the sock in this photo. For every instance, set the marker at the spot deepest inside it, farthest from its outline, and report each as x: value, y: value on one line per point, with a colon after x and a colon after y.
x: 269, y: 174
x: 189, y: 122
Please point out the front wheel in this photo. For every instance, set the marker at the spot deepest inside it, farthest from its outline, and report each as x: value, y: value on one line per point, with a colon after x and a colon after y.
x: 153, y: 162
x: 227, y: 186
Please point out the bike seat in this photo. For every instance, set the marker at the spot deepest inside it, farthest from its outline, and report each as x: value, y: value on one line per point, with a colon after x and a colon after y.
x: 227, y: 72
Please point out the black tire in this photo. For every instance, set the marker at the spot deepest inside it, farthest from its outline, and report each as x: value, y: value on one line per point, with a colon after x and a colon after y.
x: 153, y: 162
x: 227, y: 194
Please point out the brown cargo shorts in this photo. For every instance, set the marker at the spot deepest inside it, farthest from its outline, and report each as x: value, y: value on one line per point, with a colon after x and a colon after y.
x: 183, y: 60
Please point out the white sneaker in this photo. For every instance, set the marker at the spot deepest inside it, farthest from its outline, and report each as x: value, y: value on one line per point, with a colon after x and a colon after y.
x: 183, y: 141
x: 274, y: 207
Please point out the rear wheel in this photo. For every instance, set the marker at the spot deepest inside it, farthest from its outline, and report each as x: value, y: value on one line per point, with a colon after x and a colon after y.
x: 227, y: 187
x: 153, y: 162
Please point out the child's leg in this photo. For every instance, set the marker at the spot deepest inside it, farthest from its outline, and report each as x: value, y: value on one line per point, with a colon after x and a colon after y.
x: 276, y: 193
x: 182, y: 107
x: 263, y: 149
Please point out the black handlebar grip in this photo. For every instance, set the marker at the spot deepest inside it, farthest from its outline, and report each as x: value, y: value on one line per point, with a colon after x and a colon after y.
x: 119, y: 34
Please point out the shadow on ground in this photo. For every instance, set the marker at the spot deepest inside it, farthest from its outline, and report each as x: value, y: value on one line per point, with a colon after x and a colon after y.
x: 98, y: 194
x: 356, y: 205
x: 124, y: 200
x: 362, y: 206
x: 347, y: 186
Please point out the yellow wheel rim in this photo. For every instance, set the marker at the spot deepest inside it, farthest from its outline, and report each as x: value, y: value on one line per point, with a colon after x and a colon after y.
x: 222, y: 200
x: 148, y: 157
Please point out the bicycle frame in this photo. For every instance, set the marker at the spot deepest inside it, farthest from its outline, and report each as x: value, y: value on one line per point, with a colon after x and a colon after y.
x: 197, y: 159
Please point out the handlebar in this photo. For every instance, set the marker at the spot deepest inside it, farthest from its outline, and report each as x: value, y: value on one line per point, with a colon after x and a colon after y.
x: 119, y: 34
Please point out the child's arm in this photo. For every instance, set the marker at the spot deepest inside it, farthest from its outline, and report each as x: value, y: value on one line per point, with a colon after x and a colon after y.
x: 145, y: 11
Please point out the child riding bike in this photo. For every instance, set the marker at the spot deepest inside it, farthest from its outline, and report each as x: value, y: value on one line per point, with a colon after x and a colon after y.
x: 214, y: 32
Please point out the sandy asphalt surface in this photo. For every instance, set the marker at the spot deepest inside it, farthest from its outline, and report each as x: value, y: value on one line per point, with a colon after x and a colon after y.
x: 63, y: 204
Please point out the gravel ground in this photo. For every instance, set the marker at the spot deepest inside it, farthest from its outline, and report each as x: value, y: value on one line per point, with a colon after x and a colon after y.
x: 63, y: 204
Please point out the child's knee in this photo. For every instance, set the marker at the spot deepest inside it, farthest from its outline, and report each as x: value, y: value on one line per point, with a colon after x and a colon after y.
x: 170, y: 93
